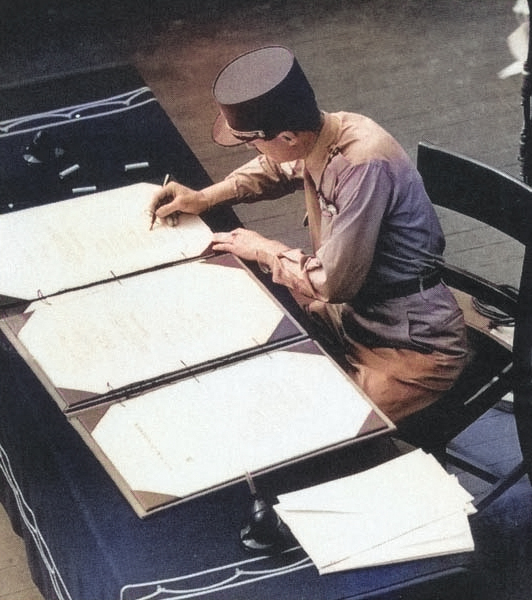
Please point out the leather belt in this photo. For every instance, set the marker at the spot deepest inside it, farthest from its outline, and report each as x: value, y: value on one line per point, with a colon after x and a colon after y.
x: 401, y: 289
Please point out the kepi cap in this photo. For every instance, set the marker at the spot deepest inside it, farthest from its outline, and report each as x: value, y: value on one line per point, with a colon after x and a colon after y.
x: 261, y: 93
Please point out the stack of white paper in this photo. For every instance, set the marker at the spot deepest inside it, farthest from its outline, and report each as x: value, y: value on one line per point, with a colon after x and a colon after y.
x: 405, y: 509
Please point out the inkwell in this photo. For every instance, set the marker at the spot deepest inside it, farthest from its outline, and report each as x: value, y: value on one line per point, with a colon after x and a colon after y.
x: 42, y: 149
x: 264, y: 531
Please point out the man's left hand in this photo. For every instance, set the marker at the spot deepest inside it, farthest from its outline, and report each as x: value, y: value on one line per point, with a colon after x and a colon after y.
x: 243, y: 243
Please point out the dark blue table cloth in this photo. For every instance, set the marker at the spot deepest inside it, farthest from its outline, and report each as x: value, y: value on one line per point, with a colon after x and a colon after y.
x: 83, y: 540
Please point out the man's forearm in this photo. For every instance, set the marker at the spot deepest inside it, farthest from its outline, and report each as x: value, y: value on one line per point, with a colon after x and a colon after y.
x: 223, y: 191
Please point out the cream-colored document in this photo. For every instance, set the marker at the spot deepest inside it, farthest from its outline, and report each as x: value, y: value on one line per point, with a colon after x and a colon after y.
x: 403, y: 509
x: 208, y: 430
x: 125, y: 331
x: 67, y: 244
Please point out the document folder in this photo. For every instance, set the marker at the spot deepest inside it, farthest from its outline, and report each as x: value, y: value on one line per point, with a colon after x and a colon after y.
x: 159, y: 351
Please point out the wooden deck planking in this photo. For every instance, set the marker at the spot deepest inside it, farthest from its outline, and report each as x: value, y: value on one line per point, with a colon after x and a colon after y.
x: 426, y: 79
x: 15, y: 579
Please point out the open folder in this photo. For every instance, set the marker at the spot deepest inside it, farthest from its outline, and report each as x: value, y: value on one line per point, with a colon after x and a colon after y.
x: 177, y: 366
x: 404, y: 509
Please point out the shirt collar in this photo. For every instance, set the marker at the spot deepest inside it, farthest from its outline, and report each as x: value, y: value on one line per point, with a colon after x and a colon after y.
x: 326, y: 142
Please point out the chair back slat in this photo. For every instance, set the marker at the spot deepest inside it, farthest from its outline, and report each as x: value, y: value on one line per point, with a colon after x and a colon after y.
x: 471, y: 188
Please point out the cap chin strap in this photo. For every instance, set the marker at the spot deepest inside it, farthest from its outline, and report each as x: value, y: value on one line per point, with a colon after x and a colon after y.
x: 247, y: 135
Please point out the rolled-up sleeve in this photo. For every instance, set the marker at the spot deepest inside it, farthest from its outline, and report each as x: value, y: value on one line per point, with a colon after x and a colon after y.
x: 262, y: 179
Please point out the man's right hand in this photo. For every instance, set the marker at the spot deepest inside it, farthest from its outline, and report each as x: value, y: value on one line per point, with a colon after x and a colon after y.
x: 173, y: 199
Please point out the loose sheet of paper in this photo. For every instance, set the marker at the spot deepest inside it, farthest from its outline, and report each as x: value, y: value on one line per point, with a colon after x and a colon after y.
x: 395, y: 511
x: 122, y: 332
x: 447, y: 535
x: 67, y: 244
x: 202, y: 432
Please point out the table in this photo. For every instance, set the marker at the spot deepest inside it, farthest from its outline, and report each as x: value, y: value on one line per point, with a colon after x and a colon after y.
x: 83, y: 540
x: 107, y: 119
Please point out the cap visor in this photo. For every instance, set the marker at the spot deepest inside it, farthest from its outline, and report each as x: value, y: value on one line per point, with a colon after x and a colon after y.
x: 222, y: 135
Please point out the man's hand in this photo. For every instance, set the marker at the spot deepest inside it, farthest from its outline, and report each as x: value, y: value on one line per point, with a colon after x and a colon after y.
x: 173, y: 199
x: 245, y: 243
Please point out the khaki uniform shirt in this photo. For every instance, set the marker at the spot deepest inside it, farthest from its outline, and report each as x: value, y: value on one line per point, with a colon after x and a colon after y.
x: 371, y: 226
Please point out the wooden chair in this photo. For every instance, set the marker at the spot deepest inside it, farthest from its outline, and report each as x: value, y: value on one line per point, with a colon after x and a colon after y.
x: 496, y: 368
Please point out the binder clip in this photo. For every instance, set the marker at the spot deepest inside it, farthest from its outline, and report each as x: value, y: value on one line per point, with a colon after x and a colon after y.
x: 264, y: 532
x: 42, y: 149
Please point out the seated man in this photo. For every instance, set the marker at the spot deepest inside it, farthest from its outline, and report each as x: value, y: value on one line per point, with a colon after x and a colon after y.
x: 373, y: 275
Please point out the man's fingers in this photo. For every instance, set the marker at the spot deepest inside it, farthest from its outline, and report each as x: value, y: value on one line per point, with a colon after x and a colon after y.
x: 165, y: 207
x: 222, y: 241
x: 173, y: 219
x: 223, y: 237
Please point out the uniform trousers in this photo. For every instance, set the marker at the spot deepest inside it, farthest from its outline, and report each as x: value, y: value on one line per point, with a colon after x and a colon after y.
x: 401, y: 381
